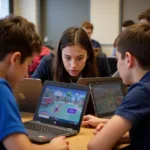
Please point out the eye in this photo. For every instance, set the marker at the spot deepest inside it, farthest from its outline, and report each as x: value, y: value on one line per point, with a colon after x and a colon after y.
x: 79, y: 58
x: 67, y: 58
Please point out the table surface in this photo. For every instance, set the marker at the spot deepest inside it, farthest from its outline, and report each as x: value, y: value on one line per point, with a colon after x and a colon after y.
x: 78, y: 142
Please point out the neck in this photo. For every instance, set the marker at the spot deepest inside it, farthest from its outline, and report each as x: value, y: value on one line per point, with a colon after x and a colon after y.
x: 138, y: 73
x: 3, y: 70
x: 75, y: 79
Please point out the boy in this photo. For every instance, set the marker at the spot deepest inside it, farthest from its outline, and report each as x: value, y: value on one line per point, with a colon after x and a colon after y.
x: 133, y: 115
x: 144, y: 17
x: 18, y: 43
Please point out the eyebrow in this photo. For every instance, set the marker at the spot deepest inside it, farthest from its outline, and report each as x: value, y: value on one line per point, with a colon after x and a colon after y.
x: 77, y: 56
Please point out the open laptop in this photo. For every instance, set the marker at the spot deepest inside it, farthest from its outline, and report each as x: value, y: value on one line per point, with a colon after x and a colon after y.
x: 60, y: 111
x: 27, y: 94
x: 86, y: 81
x: 106, y: 97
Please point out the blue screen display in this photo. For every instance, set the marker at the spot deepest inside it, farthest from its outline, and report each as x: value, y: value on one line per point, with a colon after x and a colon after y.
x: 62, y: 104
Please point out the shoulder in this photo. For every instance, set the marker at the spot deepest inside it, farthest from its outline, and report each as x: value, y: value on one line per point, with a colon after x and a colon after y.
x: 136, y: 103
x: 49, y: 57
x: 4, y: 87
x: 6, y: 93
x: 94, y: 41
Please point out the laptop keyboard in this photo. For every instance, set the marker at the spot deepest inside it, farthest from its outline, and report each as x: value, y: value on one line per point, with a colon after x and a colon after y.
x: 44, y: 128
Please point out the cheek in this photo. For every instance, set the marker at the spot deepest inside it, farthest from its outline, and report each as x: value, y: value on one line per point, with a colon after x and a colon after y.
x: 83, y: 62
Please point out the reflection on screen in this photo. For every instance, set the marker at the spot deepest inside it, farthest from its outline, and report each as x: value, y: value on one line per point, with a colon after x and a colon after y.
x: 107, y: 96
x: 62, y: 104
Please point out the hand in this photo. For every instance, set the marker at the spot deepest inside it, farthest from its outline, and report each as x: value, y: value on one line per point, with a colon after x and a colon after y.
x: 60, y: 143
x: 93, y: 121
x: 98, y: 128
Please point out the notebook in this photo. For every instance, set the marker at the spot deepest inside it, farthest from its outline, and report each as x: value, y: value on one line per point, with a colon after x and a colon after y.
x: 106, y: 97
x: 86, y: 81
x: 60, y: 110
x: 27, y: 94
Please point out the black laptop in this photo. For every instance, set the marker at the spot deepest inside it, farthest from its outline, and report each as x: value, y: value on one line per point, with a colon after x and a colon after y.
x: 60, y: 111
x: 86, y: 81
x: 106, y: 97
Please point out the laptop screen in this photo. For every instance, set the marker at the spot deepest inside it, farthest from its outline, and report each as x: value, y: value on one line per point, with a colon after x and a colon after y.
x: 107, y: 96
x: 62, y: 104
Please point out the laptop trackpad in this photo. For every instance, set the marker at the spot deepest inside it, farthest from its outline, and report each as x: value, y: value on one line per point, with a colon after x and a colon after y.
x: 39, y: 136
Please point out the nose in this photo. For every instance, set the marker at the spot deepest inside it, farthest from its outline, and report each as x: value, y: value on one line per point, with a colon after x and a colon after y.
x: 73, y: 63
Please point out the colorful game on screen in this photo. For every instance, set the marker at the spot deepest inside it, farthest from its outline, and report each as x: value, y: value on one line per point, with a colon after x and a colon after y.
x: 63, y: 104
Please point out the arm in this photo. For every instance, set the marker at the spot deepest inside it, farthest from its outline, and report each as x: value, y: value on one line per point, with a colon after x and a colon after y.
x: 110, y: 134
x: 21, y: 142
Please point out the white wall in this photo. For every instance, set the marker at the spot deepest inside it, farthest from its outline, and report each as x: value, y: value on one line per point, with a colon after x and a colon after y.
x: 105, y: 17
x: 27, y: 9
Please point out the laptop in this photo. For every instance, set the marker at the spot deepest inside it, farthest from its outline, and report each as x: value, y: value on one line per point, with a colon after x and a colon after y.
x: 60, y: 110
x: 106, y: 97
x: 27, y: 94
x: 86, y: 81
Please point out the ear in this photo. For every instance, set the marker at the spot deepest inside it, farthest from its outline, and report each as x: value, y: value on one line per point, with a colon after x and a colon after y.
x: 129, y: 59
x: 15, y: 58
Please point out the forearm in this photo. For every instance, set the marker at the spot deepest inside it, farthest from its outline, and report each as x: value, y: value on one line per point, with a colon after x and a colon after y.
x: 42, y: 147
x: 101, y: 120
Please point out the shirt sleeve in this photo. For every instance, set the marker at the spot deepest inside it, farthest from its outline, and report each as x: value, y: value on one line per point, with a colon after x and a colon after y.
x: 10, y: 120
x: 136, y: 104
x: 103, y: 66
x: 43, y: 69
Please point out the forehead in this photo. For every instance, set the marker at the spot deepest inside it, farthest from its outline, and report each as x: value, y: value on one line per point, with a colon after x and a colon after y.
x: 88, y: 30
x: 74, y: 50
x: 118, y: 53
x: 143, y: 21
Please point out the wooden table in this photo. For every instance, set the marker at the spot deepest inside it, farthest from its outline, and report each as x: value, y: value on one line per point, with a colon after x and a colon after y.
x: 78, y: 142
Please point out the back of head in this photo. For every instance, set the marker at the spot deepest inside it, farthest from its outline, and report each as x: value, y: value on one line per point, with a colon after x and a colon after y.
x: 87, y: 25
x: 145, y: 15
x: 73, y: 36
x: 18, y: 34
x: 128, y: 23
x: 136, y: 40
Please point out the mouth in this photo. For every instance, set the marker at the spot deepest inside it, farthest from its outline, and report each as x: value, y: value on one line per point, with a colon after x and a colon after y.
x: 73, y: 72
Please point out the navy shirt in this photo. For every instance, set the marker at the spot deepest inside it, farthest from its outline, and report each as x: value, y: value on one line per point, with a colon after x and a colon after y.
x: 136, y: 109
x: 44, y: 70
x: 10, y: 120
x: 96, y: 44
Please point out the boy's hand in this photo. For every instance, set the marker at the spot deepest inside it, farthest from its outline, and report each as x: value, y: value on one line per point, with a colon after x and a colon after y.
x: 93, y: 121
x: 98, y: 128
x: 60, y: 143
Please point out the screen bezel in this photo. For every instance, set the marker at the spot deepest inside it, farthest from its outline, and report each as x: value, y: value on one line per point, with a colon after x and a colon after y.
x: 57, y: 122
x: 110, y: 113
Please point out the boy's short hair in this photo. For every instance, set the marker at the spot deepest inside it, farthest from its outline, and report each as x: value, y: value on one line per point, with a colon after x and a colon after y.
x: 18, y: 34
x: 128, y: 23
x: 87, y: 25
x: 136, y: 40
x: 145, y: 15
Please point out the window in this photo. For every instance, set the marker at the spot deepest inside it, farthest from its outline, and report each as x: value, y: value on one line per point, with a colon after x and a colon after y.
x: 4, y: 8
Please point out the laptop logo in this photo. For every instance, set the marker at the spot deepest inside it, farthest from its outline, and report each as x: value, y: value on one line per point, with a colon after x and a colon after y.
x: 21, y: 95
x: 41, y: 136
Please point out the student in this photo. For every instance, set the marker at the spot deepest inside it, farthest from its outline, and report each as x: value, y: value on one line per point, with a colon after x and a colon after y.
x: 88, y: 27
x: 18, y: 43
x: 133, y: 53
x: 73, y: 59
x: 144, y: 17
x: 124, y: 26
